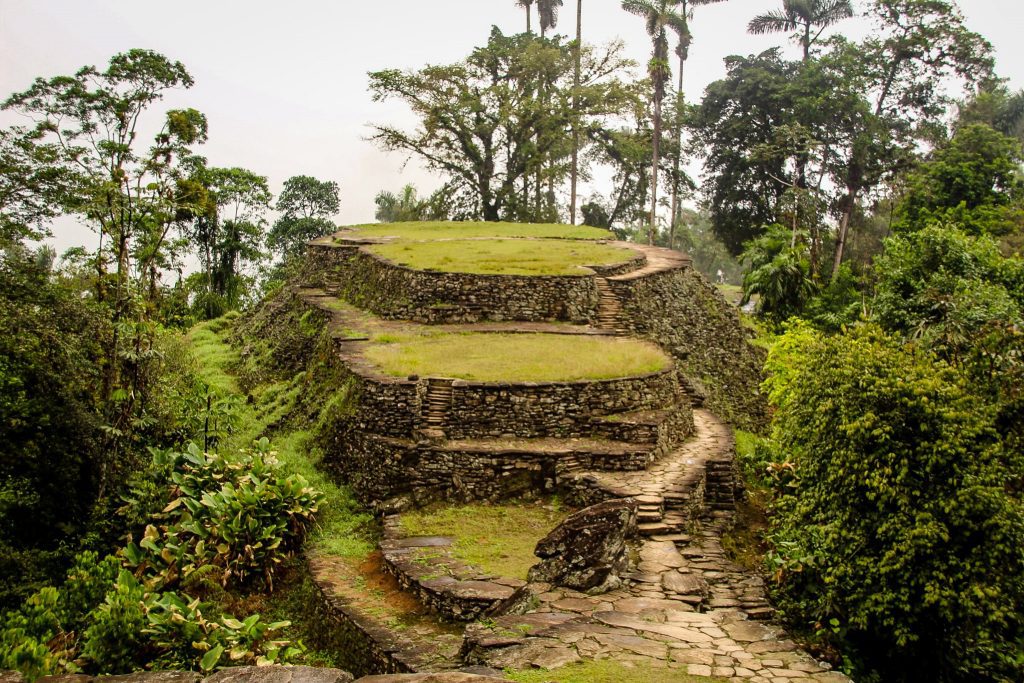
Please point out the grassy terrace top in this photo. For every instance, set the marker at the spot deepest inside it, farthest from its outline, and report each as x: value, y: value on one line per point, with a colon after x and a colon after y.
x: 494, y: 248
x: 439, y: 230
x: 502, y: 357
x: 503, y: 256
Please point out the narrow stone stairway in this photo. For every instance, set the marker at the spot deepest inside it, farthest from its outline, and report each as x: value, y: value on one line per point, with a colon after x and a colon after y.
x: 437, y: 403
x: 670, y: 490
x: 609, y: 308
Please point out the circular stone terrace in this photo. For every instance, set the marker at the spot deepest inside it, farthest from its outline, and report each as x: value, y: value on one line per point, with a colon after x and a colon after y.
x: 493, y: 248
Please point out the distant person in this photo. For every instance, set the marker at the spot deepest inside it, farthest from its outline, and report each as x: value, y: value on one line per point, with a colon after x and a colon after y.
x: 721, y: 277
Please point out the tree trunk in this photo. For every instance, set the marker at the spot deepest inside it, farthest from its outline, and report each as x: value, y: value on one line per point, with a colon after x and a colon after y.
x: 844, y: 226
x: 676, y: 181
x: 576, y: 114
x: 654, y: 170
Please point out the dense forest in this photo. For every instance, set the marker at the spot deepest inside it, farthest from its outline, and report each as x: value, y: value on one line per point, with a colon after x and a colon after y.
x: 868, y: 194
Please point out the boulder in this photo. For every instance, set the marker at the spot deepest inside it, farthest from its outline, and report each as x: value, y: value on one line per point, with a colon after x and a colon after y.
x: 587, y: 552
x: 279, y: 674
x: 444, y: 677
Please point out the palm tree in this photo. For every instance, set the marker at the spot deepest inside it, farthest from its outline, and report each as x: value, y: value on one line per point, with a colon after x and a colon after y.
x: 547, y: 10
x: 802, y: 16
x: 405, y: 206
x: 658, y: 15
x: 682, y: 31
x: 527, y: 5
x: 575, y: 110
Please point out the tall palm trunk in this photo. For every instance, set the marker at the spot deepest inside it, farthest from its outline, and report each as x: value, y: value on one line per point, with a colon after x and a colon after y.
x: 654, y: 169
x: 575, y: 110
x: 679, y: 158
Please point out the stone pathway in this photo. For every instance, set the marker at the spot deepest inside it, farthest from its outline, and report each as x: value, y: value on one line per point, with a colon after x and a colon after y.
x: 684, y: 606
x: 658, y: 259
x: 670, y: 489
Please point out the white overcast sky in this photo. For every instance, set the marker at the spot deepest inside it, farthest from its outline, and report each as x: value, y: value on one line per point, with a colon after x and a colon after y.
x: 283, y: 84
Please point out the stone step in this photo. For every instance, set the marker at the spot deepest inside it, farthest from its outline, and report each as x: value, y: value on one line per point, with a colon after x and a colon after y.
x: 654, y: 528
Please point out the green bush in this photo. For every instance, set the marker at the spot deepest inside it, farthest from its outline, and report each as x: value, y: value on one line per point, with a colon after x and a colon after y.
x: 239, y: 515
x: 945, y: 287
x: 898, y: 539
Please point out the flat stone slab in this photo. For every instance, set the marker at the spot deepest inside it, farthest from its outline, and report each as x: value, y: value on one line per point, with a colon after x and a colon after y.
x: 748, y: 631
x: 422, y: 542
x: 684, y: 584
x: 279, y: 674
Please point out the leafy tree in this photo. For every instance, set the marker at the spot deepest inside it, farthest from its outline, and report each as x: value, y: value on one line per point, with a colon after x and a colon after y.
x: 242, y: 198
x: 741, y: 114
x: 627, y: 150
x: 897, y: 538
x: 658, y: 15
x: 31, y: 189
x: 974, y: 180
x: 225, y: 223
x: 916, y: 48
x: 994, y: 105
x: 49, y: 428
x: 808, y: 18
x: 946, y: 287
x: 306, y: 205
x: 86, y: 139
x: 484, y: 123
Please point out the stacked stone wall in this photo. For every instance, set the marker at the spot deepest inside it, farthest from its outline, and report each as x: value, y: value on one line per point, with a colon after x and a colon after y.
x: 690, y: 319
x: 553, y: 409
x: 396, y: 292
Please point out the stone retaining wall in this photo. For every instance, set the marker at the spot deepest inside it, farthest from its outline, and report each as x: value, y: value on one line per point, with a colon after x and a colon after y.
x: 425, y: 567
x: 382, y: 468
x: 690, y: 319
x: 361, y: 644
x: 396, y: 292
x: 557, y: 409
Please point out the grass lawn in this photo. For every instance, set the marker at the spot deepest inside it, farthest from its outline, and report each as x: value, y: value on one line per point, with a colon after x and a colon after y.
x: 527, y: 357
x: 503, y: 256
x: 496, y: 538
x: 434, y: 230
x: 608, y: 671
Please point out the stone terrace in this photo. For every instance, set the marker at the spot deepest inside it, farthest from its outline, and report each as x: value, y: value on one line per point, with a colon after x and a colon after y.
x: 682, y: 605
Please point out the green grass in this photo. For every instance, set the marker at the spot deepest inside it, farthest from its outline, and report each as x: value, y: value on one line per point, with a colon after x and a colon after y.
x: 608, y: 671
x: 496, y: 538
x: 434, y: 230
x: 340, y: 525
x: 498, y: 357
x: 503, y: 256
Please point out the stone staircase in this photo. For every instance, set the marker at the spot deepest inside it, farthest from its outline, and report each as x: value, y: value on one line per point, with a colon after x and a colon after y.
x: 436, y: 405
x: 609, y: 308
x: 674, y: 490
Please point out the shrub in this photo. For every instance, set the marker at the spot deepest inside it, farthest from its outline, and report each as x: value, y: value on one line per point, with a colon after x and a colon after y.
x: 899, y: 537
x: 239, y: 515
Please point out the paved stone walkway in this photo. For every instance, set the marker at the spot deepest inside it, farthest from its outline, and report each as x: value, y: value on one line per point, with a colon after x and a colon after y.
x: 670, y: 489
x: 685, y: 606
